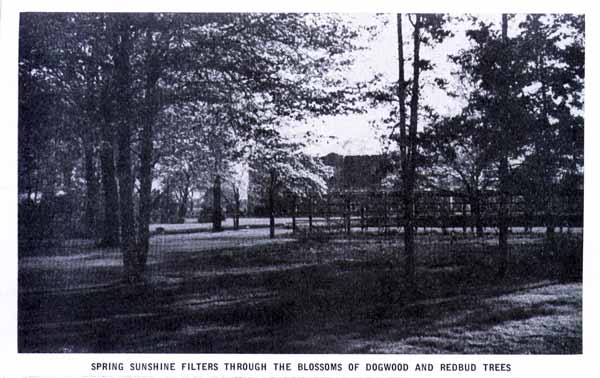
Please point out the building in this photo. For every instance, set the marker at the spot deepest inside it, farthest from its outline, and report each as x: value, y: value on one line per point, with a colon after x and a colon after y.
x: 350, y: 172
x: 357, y: 172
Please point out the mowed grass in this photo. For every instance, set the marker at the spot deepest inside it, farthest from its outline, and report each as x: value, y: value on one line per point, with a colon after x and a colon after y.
x: 331, y: 296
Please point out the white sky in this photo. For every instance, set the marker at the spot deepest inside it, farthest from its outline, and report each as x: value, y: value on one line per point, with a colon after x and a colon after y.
x: 353, y: 134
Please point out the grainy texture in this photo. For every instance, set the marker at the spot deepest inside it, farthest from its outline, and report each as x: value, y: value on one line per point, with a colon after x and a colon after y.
x: 254, y: 294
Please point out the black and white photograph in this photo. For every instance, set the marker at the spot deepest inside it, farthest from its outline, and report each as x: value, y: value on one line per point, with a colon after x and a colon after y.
x: 300, y: 183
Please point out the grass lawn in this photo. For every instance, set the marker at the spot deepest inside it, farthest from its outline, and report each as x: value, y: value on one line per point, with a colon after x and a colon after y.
x: 224, y: 293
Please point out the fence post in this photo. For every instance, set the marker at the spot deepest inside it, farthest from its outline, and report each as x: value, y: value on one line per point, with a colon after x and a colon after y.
x: 272, y: 204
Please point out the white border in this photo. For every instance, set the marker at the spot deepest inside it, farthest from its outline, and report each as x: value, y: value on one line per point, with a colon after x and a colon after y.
x: 13, y: 364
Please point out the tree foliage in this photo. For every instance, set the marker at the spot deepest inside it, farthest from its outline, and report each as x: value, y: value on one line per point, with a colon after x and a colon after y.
x: 119, y: 90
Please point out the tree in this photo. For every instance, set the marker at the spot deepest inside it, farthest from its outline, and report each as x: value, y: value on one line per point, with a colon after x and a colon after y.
x: 553, y: 46
x: 259, y: 63
x: 58, y: 56
x: 198, y: 147
x: 516, y: 115
x: 134, y: 67
x: 459, y: 161
x: 493, y: 66
x: 427, y: 29
x: 280, y: 167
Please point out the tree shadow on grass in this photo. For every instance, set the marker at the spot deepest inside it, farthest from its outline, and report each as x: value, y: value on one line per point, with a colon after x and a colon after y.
x: 304, y: 298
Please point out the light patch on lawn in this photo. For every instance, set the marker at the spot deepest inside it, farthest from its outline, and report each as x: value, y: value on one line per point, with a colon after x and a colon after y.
x: 203, y: 303
x: 537, y: 320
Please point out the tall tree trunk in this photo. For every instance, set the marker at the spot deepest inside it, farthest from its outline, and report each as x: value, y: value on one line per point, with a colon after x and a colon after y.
x: 404, y: 163
x: 165, y: 216
x: 145, y: 193
x: 217, y: 214
x: 546, y: 138
x: 124, y: 163
x: 310, y: 212
x: 503, y: 170
x: 99, y: 144
x: 271, y: 199
x: 503, y: 219
x: 110, y: 237
x: 89, y: 142
x: 91, y: 183
x: 409, y: 228
x: 550, y: 219
x: 401, y: 98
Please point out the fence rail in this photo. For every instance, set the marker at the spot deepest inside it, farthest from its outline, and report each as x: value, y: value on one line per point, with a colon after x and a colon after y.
x: 385, y: 209
x: 51, y: 224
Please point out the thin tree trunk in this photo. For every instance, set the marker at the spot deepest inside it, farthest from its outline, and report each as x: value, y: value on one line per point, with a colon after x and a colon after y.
x: 409, y: 229
x: 503, y: 218
x: 112, y: 225
x: 401, y: 97
x: 476, y: 212
x: 503, y: 173
x: 89, y: 142
x: 272, y: 179
x: 362, y: 217
x: 403, y: 144
x: 548, y: 187
x: 166, y: 212
x: 528, y: 220
x: 182, y: 211
x: 91, y: 183
x: 310, y: 212
x: 236, y: 213
x: 217, y: 215
x: 183, y: 206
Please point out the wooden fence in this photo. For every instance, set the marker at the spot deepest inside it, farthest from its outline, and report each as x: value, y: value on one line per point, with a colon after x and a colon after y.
x: 384, y: 210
